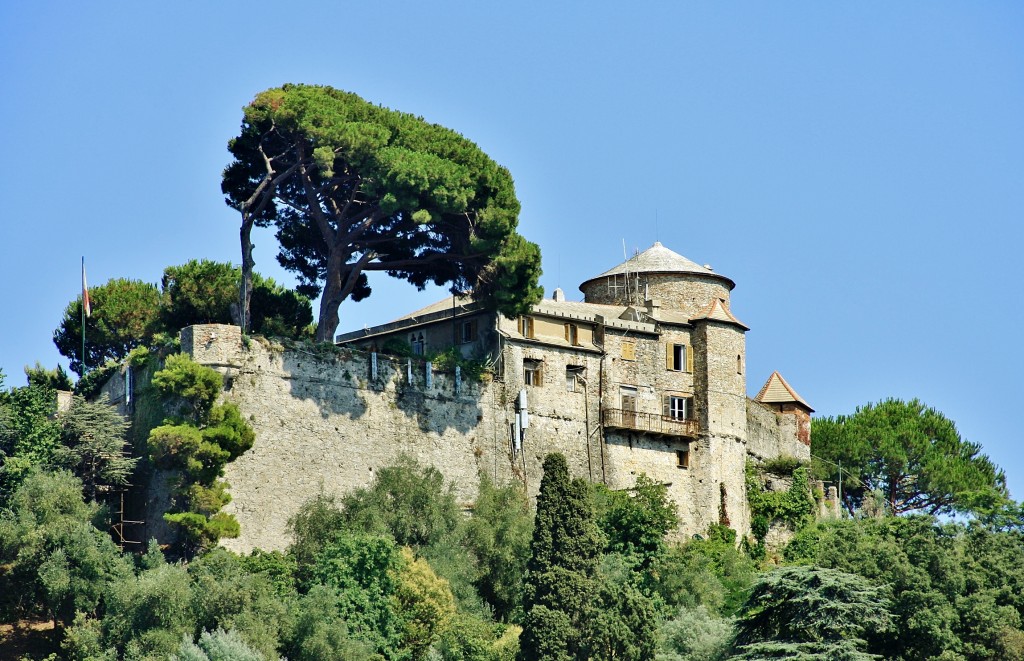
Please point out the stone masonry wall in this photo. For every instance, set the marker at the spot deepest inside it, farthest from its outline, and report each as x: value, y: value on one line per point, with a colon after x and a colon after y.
x: 689, y: 294
x: 771, y: 434
x: 324, y: 423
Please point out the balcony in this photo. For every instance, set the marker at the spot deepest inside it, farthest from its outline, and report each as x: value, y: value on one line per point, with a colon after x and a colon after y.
x: 650, y: 423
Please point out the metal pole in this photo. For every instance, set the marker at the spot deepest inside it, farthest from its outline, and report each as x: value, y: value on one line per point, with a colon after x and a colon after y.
x: 84, y: 294
x: 840, y: 484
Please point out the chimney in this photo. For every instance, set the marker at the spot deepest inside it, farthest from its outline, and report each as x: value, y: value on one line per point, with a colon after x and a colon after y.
x: 558, y: 295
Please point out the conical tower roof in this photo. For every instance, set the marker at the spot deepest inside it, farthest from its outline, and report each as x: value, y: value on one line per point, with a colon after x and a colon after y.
x: 777, y: 391
x: 659, y: 259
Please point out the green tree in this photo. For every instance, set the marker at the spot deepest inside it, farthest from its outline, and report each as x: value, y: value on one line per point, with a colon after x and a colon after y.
x: 311, y: 527
x: 277, y: 311
x: 93, y: 446
x: 695, y: 634
x: 353, y: 187
x: 407, y: 501
x: 125, y: 315
x: 635, y: 521
x: 198, y: 445
x: 55, y: 379
x: 910, y: 453
x: 55, y: 560
x: 708, y: 573
x: 498, y: 536
x: 321, y: 633
x: 206, y: 292
x: 147, y: 615
x: 227, y: 596
x: 425, y: 604
x: 811, y: 613
x: 564, y: 552
x: 198, y: 292
x: 957, y: 591
x: 29, y: 433
x: 364, y: 571
x: 622, y: 625
x: 217, y: 645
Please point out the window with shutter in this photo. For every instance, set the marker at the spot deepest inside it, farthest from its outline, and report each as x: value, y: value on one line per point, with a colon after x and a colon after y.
x: 678, y: 358
x: 678, y: 407
x: 526, y: 326
x: 572, y: 334
x: 532, y: 373
x: 629, y: 350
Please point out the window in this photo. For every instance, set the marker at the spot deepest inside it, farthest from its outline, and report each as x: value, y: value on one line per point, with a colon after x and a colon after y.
x: 629, y: 350
x: 526, y: 326
x: 682, y: 458
x: 678, y: 358
x: 467, y: 331
x: 572, y: 377
x: 739, y: 364
x: 532, y: 373
x: 417, y: 344
x: 679, y: 407
x: 627, y: 399
x: 572, y: 334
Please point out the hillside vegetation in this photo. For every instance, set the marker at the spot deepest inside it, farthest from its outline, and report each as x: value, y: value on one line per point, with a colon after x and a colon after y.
x: 396, y: 571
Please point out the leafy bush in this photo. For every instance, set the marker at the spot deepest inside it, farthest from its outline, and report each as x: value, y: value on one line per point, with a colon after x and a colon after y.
x: 695, y: 634
x: 792, y: 507
x: 217, y: 645
x: 782, y: 465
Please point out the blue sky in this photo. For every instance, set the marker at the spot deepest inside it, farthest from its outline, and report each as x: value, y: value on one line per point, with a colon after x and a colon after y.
x: 856, y: 168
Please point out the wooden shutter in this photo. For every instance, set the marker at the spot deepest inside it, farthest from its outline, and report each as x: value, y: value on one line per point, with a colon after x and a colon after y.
x: 669, y: 351
x: 689, y: 357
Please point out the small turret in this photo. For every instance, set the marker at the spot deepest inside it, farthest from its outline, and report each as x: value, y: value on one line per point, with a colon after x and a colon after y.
x: 779, y: 396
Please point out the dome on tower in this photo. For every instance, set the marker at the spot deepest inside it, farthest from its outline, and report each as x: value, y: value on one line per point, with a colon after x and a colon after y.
x: 660, y: 260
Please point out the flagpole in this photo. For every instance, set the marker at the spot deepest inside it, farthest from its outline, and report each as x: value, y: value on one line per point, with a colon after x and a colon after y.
x: 85, y: 302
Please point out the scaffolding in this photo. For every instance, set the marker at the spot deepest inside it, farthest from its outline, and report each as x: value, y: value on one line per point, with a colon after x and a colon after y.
x: 119, y: 520
x: 627, y: 288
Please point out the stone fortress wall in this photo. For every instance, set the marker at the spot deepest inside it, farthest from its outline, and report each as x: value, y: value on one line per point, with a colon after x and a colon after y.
x: 325, y: 422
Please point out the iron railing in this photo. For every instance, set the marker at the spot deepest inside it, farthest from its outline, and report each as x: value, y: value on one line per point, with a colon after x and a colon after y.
x: 651, y: 423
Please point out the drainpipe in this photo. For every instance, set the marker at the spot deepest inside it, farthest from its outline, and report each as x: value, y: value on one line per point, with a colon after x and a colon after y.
x: 600, y: 411
x: 586, y: 411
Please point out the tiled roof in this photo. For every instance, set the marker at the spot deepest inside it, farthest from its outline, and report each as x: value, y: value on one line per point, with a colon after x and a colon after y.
x: 659, y: 259
x: 439, y: 306
x: 719, y: 312
x: 777, y: 391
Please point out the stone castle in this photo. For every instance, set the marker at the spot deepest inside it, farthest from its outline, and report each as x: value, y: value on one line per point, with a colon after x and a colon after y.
x: 646, y: 375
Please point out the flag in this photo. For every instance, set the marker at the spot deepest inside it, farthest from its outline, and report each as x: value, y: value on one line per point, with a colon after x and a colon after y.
x: 85, y: 293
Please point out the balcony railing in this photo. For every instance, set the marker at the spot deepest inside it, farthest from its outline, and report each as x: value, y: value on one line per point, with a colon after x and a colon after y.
x: 651, y: 423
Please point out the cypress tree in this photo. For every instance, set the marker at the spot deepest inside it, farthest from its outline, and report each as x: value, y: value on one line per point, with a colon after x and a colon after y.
x: 560, y: 585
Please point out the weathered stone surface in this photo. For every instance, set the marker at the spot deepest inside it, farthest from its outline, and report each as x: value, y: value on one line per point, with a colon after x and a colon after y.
x: 324, y: 424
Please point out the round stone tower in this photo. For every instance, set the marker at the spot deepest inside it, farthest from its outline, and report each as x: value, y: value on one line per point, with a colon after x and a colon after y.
x: 659, y: 274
